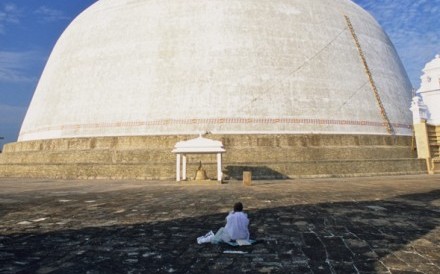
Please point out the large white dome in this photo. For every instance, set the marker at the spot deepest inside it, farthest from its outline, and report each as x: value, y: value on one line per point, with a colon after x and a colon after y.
x: 135, y: 67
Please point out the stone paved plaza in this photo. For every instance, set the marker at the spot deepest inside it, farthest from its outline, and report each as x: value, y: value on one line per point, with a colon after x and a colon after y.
x: 348, y: 225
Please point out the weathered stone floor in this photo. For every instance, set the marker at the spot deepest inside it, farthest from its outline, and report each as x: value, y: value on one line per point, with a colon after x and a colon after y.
x: 356, y: 225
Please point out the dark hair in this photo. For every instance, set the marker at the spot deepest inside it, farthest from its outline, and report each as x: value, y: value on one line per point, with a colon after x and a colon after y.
x: 238, y: 207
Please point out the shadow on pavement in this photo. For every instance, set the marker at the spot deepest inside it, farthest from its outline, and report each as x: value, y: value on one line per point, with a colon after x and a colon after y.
x: 340, y: 237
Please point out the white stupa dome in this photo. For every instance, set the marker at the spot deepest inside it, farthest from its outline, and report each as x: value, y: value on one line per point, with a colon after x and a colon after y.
x: 125, y: 68
x: 429, y: 90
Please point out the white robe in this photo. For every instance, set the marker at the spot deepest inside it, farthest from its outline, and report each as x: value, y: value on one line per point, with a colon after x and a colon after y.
x: 237, y: 226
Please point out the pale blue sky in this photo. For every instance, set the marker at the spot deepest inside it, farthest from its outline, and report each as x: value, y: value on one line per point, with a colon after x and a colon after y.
x: 30, y: 28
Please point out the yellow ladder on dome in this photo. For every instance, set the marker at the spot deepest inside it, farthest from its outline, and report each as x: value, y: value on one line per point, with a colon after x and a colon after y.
x: 370, y: 77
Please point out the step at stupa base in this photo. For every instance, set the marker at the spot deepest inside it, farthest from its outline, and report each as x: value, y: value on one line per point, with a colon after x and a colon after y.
x: 266, y: 156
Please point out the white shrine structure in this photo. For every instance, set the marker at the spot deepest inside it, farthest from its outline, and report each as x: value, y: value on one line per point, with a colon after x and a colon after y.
x: 199, y: 145
x: 425, y: 107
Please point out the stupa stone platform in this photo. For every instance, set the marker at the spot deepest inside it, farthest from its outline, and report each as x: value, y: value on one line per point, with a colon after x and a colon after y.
x: 349, y: 225
x: 266, y: 156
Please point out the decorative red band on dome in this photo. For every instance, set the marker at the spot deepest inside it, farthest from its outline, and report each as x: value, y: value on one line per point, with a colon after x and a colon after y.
x: 213, y: 121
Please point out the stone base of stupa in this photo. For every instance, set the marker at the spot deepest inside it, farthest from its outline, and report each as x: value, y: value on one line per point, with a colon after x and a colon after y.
x: 266, y: 156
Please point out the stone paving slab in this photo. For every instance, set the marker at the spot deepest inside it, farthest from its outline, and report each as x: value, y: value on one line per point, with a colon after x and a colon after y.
x: 348, y: 225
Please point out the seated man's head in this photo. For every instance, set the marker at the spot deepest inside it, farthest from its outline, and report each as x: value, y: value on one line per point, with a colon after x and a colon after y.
x: 238, y: 207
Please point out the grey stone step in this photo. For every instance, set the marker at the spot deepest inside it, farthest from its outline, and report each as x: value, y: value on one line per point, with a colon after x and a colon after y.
x: 268, y: 170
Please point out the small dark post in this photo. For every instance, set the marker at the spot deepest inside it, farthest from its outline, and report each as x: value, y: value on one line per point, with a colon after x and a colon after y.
x: 247, y: 178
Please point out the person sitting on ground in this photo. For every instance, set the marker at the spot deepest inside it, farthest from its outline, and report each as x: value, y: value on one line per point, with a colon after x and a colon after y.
x: 236, y: 228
